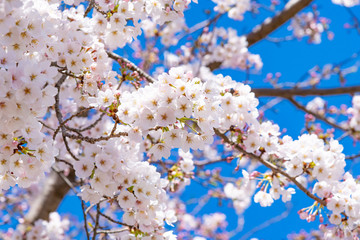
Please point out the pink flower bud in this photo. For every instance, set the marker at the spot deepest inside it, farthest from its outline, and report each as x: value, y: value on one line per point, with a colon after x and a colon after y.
x: 269, y: 76
x: 310, y: 218
x: 303, y: 215
x: 347, y: 25
x: 254, y: 174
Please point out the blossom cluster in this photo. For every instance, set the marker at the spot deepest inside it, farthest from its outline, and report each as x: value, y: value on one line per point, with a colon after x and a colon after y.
x: 234, y: 8
x: 210, y: 226
x: 44, y: 62
x: 37, y: 41
x: 346, y: 3
x: 317, y: 105
x: 241, y: 195
x: 310, y: 25
x: 325, y: 163
x: 177, y: 101
x: 166, y: 33
x: 309, y: 153
x: 326, y: 232
x: 355, y: 113
x: 226, y: 47
x: 120, y: 21
x: 113, y: 169
x: 343, y: 200
x: 27, y: 91
x: 54, y: 229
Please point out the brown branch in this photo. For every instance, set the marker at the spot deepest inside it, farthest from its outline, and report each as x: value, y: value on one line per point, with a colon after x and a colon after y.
x: 96, y: 221
x: 79, y: 113
x: 45, y: 125
x: 318, y: 116
x: 93, y: 124
x: 287, y: 93
x: 88, y: 9
x: 271, y: 166
x: 85, y: 220
x: 94, y: 140
x: 352, y: 157
x: 115, y: 221
x: 271, y: 24
x: 59, y: 115
x: 114, y: 231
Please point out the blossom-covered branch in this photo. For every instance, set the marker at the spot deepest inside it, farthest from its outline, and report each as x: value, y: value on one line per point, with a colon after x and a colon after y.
x: 274, y: 168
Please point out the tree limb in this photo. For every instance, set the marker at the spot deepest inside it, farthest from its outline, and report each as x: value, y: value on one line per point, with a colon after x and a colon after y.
x: 271, y: 24
x: 318, y: 116
x: 286, y: 93
x: 50, y: 197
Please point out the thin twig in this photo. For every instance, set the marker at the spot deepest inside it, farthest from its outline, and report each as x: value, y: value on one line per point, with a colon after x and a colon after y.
x: 93, y: 124
x: 70, y: 118
x: 114, y: 230
x: 59, y: 115
x: 318, y: 116
x: 85, y: 220
x: 115, y: 221
x: 267, y: 223
x: 351, y: 157
x: 88, y: 9
x: 96, y: 220
x: 45, y: 125
x: 94, y: 140
x: 130, y: 65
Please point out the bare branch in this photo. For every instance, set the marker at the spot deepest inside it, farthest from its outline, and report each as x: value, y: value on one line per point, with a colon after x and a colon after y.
x: 352, y: 157
x: 59, y: 115
x: 318, y: 116
x: 114, y: 221
x: 198, y: 26
x: 79, y: 113
x: 271, y: 24
x: 286, y: 93
x: 91, y: 6
x: 94, y: 140
x: 96, y: 221
x: 85, y: 219
x: 93, y: 124
x: 114, y: 230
